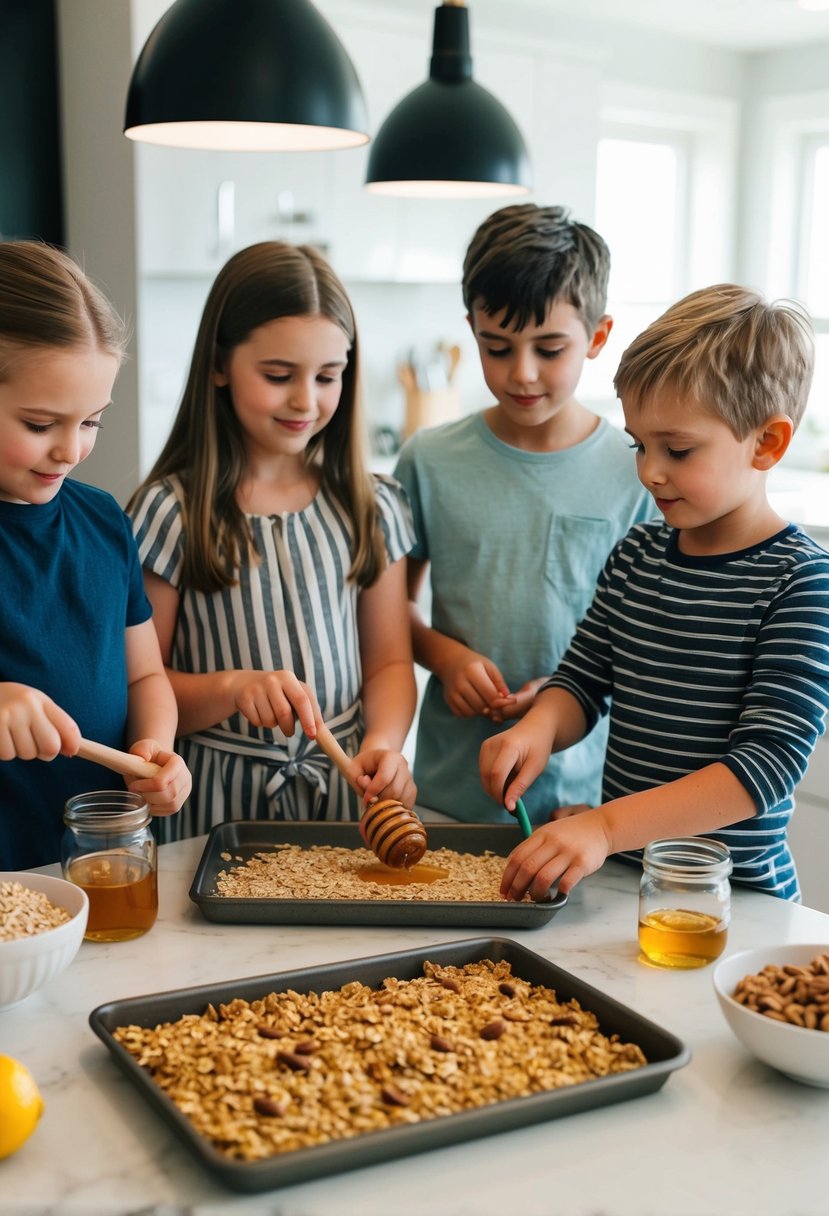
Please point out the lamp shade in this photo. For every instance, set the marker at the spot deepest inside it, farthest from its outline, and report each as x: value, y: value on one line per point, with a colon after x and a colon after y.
x: 260, y: 75
x: 449, y: 137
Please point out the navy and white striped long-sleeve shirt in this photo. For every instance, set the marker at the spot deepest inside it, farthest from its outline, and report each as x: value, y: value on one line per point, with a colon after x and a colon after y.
x: 707, y: 659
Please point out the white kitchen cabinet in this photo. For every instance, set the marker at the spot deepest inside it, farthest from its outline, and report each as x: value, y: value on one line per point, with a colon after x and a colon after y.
x: 197, y: 208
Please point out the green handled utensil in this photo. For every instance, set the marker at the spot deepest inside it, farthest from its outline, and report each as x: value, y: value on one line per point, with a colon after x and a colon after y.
x: 523, y: 818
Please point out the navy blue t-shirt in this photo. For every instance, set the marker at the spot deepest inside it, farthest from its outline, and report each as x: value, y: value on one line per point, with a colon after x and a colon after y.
x: 70, y: 586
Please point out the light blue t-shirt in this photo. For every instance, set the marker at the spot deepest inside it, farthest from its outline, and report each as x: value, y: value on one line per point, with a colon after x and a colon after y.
x: 516, y: 541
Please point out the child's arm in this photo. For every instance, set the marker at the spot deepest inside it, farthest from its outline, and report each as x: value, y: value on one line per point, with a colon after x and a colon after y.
x: 471, y: 682
x: 569, y: 849
x: 266, y: 698
x: 762, y: 760
x: 151, y: 722
x: 511, y: 761
x: 33, y: 727
x: 389, y: 692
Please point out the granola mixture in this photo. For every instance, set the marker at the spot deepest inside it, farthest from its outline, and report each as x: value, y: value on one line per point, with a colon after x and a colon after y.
x: 327, y: 872
x: 25, y: 912
x: 294, y: 1070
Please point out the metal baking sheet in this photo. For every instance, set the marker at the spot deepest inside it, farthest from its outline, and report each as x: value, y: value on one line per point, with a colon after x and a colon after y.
x: 244, y: 838
x: 663, y: 1050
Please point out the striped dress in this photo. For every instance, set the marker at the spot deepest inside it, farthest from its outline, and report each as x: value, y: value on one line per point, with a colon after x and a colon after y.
x: 706, y: 659
x: 295, y: 610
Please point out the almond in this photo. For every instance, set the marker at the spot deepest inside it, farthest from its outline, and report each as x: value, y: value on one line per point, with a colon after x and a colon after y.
x: 393, y: 1096
x: 293, y: 1061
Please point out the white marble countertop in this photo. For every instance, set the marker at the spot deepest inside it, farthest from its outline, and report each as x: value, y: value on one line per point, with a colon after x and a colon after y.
x: 725, y: 1134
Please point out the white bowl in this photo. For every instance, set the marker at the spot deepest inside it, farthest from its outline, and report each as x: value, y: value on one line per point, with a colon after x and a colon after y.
x: 801, y: 1054
x: 27, y: 963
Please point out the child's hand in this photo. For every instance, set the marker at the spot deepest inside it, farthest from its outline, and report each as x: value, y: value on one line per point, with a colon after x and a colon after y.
x: 33, y: 727
x: 166, y: 792
x: 511, y: 761
x: 560, y: 853
x: 385, y: 774
x: 276, y: 699
x: 471, y: 683
x: 516, y: 704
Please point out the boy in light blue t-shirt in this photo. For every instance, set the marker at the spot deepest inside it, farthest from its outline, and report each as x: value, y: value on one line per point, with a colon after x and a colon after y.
x: 516, y: 509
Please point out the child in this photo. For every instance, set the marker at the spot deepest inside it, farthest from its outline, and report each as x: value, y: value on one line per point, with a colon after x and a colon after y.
x: 709, y: 631
x: 516, y: 509
x: 78, y: 652
x: 273, y: 559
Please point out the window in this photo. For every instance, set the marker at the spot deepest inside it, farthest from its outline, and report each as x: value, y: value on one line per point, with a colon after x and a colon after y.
x: 645, y: 225
x: 787, y: 250
x: 664, y: 203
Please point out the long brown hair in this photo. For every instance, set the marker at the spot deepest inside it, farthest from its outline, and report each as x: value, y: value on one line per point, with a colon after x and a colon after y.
x: 206, y: 446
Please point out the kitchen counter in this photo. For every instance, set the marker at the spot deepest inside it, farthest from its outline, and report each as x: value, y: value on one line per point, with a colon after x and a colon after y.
x: 725, y: 1134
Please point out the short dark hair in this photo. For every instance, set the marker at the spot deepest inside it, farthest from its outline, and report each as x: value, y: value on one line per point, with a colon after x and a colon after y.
x: 524, y: 258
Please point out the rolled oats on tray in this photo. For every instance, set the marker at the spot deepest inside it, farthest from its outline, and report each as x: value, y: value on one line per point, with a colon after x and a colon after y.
x: 288, y: 871
x: 294, y: 1070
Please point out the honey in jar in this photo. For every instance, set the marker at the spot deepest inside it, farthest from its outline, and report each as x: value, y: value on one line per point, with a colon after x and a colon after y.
x: 109, y: 850
x: 684, y: 902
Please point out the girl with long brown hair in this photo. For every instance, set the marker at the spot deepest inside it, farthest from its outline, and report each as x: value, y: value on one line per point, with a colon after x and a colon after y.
x: 273, y: 558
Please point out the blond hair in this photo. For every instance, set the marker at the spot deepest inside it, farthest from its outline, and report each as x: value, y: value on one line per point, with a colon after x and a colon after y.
x: 729, y: 350
x: 46, y: 301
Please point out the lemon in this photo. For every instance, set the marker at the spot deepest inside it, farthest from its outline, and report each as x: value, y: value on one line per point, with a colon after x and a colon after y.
x: 20, y: 1105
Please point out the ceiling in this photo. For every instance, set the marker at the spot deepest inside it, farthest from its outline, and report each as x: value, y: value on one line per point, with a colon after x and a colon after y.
x: 743, y: 25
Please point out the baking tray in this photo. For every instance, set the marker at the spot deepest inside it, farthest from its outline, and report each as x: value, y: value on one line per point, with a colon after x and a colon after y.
x: 664, y: 1052
x: 243, y: 838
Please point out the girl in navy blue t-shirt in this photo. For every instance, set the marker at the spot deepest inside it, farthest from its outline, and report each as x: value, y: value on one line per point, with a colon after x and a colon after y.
x: 79, y: 654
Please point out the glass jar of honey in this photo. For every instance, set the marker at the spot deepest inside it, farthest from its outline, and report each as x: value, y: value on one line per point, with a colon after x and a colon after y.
x: 109, y: 850
x: 684, y: 901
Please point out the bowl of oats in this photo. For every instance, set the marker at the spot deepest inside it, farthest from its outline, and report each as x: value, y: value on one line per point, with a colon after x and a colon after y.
x: 42, y: 923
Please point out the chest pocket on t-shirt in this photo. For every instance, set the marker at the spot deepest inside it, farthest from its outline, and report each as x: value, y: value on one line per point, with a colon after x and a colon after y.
x: 577, y: 549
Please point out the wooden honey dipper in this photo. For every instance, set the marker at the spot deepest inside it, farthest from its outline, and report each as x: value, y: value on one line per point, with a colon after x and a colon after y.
x: 393, y: 833
x: 120, y: 762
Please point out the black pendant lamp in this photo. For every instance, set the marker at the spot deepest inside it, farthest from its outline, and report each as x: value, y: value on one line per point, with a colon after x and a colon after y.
x: 449, y: 138
x: 249, y: 75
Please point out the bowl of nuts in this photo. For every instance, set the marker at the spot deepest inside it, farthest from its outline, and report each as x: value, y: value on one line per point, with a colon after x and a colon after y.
x: 42, y: 923
x: 776, y: 1000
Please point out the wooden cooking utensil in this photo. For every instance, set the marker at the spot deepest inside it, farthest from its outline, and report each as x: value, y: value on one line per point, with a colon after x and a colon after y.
x: 393, y: 833
x: 119, y: 762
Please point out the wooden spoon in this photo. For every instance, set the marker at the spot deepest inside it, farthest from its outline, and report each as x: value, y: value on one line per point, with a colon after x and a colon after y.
x: 393, y: 833
x: 120, y: 762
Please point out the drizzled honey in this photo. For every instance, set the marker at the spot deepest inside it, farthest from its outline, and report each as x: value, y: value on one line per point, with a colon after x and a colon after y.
x: 682, y: 939
x: 123, y: 895
x: 386, y: 876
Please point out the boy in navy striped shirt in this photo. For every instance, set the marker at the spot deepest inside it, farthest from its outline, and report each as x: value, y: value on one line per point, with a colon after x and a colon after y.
x: 707, y: 641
